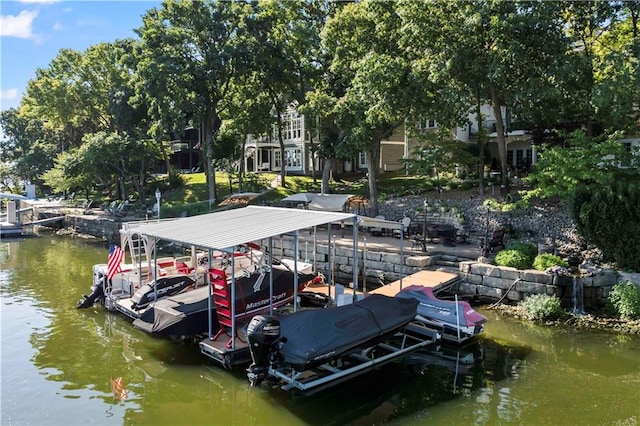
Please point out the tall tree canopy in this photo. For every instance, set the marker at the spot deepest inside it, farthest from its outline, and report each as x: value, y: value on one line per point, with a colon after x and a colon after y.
x: 497, y: 52
x: 190, y: 54
x: 374, y: 84
x: 285, y: 46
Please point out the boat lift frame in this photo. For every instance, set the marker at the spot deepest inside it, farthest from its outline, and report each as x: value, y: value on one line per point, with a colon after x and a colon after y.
x: 410, y: 338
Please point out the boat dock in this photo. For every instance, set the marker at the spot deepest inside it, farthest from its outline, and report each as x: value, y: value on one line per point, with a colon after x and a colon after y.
x: 229, y: 344
x: 437, y: 280
x: 409, y: 339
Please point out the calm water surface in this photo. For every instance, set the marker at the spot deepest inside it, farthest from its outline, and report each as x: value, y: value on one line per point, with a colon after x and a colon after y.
x: 57, y: 363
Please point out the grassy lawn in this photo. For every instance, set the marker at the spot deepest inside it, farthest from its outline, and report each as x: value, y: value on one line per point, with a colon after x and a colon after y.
x: 193, y: 195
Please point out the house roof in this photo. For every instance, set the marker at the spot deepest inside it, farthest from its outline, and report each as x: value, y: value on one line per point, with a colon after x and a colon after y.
x: 226, y: 229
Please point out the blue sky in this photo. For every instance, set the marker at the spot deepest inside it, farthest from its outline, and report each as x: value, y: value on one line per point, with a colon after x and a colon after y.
x: 32, y: 32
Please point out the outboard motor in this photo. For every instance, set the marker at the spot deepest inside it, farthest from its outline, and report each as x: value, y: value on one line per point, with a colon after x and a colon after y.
x: 262, y: 333
x: 98, y: 292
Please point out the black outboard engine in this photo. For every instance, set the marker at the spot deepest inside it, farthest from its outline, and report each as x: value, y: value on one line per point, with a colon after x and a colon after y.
x: 263, y: 333
x: 98, y: 292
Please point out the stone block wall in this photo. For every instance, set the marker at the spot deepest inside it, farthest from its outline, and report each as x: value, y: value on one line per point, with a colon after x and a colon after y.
x: 338, y: 262
x: 497, y: 281
x: 101, y: 227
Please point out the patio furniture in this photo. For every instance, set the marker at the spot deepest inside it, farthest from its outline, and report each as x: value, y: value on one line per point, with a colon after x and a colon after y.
x: 405, y: 221
x: 493, y: 243
x: 377, y: 230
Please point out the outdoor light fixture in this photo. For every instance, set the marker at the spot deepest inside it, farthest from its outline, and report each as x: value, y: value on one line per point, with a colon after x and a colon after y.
x: 158, y: 196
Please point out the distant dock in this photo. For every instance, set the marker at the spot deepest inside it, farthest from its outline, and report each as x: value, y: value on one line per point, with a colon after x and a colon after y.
x: 8, y: 230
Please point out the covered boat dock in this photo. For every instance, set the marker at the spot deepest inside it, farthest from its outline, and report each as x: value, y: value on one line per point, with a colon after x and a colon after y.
x: 226, y: 230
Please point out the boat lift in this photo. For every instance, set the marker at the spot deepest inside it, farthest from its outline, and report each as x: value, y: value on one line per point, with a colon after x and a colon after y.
x: 410, y: 338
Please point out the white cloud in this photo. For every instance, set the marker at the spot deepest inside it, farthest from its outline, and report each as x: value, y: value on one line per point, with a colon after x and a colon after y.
x: 18, y: 25
x: 58, y: 26
x: 9, y: 94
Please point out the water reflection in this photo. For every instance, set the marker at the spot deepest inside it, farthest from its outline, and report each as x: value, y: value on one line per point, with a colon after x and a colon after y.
x: 63, y: 358
x: 421, y: 380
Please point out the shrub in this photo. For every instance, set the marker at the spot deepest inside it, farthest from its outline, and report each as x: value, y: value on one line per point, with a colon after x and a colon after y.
x: 175, y: 179
x: 546, y: 260
x: 625, y: 300
x: 507, y: 206
x: 466, y: 184
x: 513, y: 258
x: 542, y: 307
x: 528, y: 249
x: 608, y: 217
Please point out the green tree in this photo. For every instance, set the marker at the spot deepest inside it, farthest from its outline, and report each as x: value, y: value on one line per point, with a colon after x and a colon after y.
x: 616, y: 91
x: 608, y: 217
x: 83, y: 90
x: 70, y: 173
x: 249, y: 114
x: 581, y: 161
x: 317, y: 110
x: 374, y: 86
x: 436, y: 152
x: 109, y: 158
x: 28, y: 147
x: 285, y: 46
x: 586, y: 24
x: 190, y: 54
x: 494, y: 51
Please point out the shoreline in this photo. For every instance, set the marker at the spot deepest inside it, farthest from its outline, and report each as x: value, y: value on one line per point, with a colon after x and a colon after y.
x: 588, y: 321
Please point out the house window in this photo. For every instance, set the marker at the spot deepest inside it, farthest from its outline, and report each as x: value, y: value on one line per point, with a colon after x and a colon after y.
x: 277, y: 159
x: 293, y: 157
x: 427, y: 124
x: 296, y: 126
x: 520, y: 159
x: 362, y: 160
x: 291, y: 127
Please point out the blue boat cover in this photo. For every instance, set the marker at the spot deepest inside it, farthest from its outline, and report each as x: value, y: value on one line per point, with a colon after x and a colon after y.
x: 316, y: 336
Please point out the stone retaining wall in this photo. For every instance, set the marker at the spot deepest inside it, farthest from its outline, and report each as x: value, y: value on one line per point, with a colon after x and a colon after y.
x: 98, y: 226
x: 380, y: 266
x: 486, y: 280
x: 497, y: 281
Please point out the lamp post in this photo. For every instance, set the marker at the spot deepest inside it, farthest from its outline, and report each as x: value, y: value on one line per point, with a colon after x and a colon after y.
x: 158, y: 197
x: 424, y: 220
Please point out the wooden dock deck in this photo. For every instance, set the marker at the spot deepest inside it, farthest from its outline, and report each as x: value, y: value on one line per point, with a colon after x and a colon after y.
x: 433, y: 279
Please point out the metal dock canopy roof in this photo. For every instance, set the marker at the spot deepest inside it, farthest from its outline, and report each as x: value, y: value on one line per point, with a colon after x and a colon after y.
x: 226, y: 229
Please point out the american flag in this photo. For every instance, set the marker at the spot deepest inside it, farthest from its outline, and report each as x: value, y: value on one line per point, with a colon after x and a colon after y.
x: 115, y: 258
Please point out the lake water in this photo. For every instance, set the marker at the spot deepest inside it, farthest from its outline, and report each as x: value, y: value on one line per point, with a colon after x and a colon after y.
x: 57, y: 364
